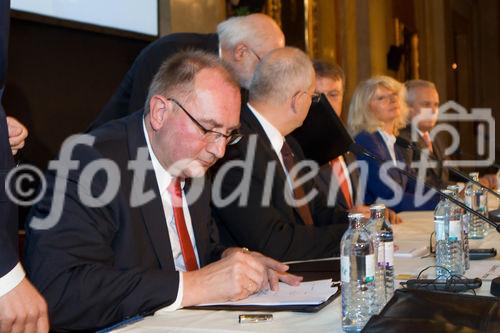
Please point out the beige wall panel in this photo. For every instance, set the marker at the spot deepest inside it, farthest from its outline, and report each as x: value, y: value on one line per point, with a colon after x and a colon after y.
x: 191, y: 15
x: 380, y: 35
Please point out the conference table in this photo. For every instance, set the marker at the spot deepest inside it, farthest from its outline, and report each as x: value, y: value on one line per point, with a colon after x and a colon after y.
x: 415, y: 231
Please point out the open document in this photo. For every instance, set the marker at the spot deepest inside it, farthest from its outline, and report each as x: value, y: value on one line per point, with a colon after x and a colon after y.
x: 307, y: 293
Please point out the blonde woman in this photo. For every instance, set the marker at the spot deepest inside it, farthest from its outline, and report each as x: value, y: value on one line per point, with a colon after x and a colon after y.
x: 376, y: 114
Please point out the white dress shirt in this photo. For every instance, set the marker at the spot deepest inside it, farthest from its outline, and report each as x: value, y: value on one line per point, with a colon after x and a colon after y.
x: 163, y: 178
x: 10, y: 280
x: 389, y: 140
x: 276, y: 138
x: 420, y: 133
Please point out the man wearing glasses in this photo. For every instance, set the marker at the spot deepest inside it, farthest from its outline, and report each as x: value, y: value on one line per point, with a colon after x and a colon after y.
x: 240, y: 41
x: 276, y: 215
x: 101, y: 265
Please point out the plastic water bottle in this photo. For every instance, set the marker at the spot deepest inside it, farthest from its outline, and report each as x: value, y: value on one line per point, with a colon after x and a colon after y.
x: 475, y: 198
x: 449, y: 248
x: 458, y: 213
x: 373, y: 226
x: 384, y: 245
x: 357, y: 271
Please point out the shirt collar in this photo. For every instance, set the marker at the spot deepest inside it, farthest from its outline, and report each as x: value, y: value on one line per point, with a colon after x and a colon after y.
x: 276, y: 138
x: 418, y: 130
x: 389, y: 138
x: 163, y: 177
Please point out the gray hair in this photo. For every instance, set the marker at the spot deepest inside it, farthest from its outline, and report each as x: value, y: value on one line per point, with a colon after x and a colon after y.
x: 177, y: 74
x: 281, y: 74
x: 360, y: 118
x: 240, y: 29
x: 412, y: 85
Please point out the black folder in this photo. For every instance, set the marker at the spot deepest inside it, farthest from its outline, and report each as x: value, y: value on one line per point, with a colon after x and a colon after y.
x: 322, y: 136
x: 411, y: 310
x: 311, y: 270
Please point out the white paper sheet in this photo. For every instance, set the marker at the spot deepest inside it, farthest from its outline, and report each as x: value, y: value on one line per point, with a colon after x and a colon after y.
x: 307, y: 293
x: 486, y: 270
x: 410, y: 249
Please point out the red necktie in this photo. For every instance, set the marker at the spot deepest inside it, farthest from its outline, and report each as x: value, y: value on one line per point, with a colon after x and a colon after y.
x: 180, y: 223
x: 427, y: 139
x: 341, y: 177
x: 298, y: 191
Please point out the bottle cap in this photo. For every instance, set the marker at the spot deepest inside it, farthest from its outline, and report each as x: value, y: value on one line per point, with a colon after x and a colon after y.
x: 495, y: 287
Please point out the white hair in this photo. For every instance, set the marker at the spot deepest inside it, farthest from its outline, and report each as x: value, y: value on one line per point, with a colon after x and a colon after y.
x: 243, y: 29
x: 412, y: 85
x: 280, y: 74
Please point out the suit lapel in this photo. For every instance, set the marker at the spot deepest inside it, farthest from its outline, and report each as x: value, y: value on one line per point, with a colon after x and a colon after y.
x: 386, y: 156
x: 435, y: 151
x: 269, y: 155
x: 253, y: 126
x: 152, y: 211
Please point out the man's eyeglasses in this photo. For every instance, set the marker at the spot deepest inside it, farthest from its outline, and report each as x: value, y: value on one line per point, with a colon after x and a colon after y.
x: 315, y: 97
x: 208, y: 134
x: 255, y: 54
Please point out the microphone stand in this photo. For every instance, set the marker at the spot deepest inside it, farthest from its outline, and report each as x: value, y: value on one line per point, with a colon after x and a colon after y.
x: 360, y: 150
x: 409, y: 145
x: 476, y: 157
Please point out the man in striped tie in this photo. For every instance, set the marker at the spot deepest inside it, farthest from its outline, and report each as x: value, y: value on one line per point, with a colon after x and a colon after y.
x: 422, y: 95
x: 340, y: 172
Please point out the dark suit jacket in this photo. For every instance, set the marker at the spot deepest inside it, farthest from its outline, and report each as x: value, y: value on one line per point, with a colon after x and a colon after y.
x: 102, y: 265
x: 132, y: 92
x: 439, y: 176
x: 8, y: 220
x: 276, y: 229
x: 376, y: 188
x: 327, y: 179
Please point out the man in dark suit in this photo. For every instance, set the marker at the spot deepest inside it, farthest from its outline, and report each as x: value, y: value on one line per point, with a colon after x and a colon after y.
x: 330, y: 80
x: 340, y: 173
x: 139, y: 248
x: 421, y: 95
x: 22, y: 309
x: 240, y: 41
x: 279, y: 212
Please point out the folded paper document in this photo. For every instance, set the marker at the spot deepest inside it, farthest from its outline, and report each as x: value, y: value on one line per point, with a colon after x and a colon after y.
x: 307, y: 293
x: 410, y: 249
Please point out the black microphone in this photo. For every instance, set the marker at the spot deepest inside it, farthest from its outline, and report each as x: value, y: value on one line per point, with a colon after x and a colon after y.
x: 411, y: 145
x: 360, y: 150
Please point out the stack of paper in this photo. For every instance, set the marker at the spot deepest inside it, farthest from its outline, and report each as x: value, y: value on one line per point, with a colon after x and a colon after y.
x: 410, y: 249
x: 307, y: 293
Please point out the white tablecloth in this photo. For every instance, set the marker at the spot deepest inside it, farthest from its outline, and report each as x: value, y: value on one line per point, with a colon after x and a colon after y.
x: 417, y: 227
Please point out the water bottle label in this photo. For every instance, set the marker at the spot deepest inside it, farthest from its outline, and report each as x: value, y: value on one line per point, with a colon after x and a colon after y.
x: 380, y: 254
x: 345, y: 274
x: 389, y: 253
x: 370, y: 268
x: 468, y: 201
x: 439, y: 228
x: 455, y: 230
